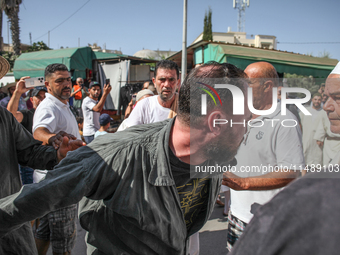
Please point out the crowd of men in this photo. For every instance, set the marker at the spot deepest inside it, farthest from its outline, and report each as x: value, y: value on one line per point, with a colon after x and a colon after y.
x: 137, y: 191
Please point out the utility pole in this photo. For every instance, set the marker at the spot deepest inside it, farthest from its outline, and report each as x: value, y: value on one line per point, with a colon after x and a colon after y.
x: 30, y: 39
x: 184, y: 44
x: 8, y: 33
x: 241, y: 5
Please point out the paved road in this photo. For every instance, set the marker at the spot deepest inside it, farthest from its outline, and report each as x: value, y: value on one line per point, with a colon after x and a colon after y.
x: 213, y: 236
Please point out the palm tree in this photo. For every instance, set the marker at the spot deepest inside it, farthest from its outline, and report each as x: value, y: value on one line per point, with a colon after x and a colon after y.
x: 1, y: 12
x: 11, y: 8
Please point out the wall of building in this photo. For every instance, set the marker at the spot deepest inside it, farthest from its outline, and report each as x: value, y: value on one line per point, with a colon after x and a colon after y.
x: 259, y: 41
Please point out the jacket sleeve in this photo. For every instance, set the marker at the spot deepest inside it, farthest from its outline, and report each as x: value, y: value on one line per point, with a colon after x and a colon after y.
x: 30, y: 152
x: 80, y: 174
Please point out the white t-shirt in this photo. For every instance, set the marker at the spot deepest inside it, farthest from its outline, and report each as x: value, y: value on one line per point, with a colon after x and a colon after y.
x: 122, y: 126
x: 55, y: 116
x: 265, y: 146
x: 331, y: 140
x: 147, y: 111
x: 98, y: 133
x: 91, y: 118
x: 311, y: 150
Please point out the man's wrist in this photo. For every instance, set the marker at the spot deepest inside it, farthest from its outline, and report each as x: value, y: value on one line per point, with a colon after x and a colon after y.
x: 59, y: 157
x: 17, y: 94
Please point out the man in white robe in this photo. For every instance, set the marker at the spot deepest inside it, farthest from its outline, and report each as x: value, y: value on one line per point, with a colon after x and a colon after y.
x: 311, y: 150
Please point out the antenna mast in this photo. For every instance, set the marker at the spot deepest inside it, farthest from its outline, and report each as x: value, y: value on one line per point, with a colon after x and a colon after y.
x: 241, y: 5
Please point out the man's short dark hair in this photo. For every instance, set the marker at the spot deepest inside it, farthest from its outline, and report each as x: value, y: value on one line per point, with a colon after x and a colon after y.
x: 189, y: 109
x: 80, y: 120
x: 317, y: 94
x: 52, y: 68
x: 167, y: 64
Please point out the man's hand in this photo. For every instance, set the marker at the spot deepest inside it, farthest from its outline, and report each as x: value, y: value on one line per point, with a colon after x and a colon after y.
x: 319, y: 143
x: 107, y: 89
x: 68, y: 145
x: 57, y: 139
x: 21, y: 86
x: 13, y: 103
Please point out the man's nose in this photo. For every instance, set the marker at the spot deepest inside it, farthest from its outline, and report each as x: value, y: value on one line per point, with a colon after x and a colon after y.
x: 328, y: 106
x: 167, y: 83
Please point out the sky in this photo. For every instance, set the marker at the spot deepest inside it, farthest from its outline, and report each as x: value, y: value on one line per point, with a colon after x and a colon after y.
x: 133, y: 25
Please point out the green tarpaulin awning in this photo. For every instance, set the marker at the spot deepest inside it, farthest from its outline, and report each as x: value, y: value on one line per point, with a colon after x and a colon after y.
x: 106, y: 55
x: 284, y: 62
x: 33, y: 64
x: 242, y: 56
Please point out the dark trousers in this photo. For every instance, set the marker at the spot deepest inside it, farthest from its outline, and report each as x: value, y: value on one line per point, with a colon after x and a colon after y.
x: 88, y: 139
x: 26, y: 174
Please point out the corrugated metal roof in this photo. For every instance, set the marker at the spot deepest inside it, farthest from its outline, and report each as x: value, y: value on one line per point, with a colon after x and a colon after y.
x: 241, y: 56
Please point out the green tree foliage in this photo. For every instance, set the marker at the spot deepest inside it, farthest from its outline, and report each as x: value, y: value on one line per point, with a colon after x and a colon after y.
x: 38, y: 46
x: 307, y: 82
x: 10, y: 57
x: 324, y: 54
x: 207, y: 29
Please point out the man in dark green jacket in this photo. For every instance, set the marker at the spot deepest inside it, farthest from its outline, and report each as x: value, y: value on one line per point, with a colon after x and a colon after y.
x: 142, y: 192
x: 19, y: 146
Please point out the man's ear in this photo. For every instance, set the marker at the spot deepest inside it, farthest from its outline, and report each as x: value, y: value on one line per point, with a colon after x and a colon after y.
x: 217, y: 122
x: 267, y: 86
x: 31, y: 99
x: 47, y: 84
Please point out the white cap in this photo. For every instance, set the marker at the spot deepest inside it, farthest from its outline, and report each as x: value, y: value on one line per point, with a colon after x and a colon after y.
x: 142, y: 93
x: 336, y: 69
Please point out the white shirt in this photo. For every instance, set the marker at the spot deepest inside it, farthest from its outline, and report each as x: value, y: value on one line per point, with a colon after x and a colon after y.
x: 91, y: 118
x: 331, y: 140
x: 122, y: 126
x: 98, y: 133
x: 311, y: 150
x: 55, y: 116
x: 265, y: 146
x: 147, y: 111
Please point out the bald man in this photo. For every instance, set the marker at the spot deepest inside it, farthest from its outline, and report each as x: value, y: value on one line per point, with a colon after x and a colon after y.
x: 303, y: 217
x: 267, y: 144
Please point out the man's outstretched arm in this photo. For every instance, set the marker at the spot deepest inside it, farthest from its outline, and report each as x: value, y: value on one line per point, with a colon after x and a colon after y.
x: 13, y: 103
x: 265, y: 182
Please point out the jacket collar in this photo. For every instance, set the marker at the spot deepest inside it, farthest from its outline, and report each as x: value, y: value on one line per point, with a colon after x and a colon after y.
x: 160, y: 174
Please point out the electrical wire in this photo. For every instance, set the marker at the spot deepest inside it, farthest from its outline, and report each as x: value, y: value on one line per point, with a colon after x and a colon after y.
x: 63, y: 21
x: 309, y: 42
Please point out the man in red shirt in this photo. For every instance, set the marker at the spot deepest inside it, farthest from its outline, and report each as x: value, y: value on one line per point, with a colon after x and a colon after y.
x: 79, y: 92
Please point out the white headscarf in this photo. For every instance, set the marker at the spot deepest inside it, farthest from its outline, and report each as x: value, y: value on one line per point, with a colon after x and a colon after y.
x: 336, y: 69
